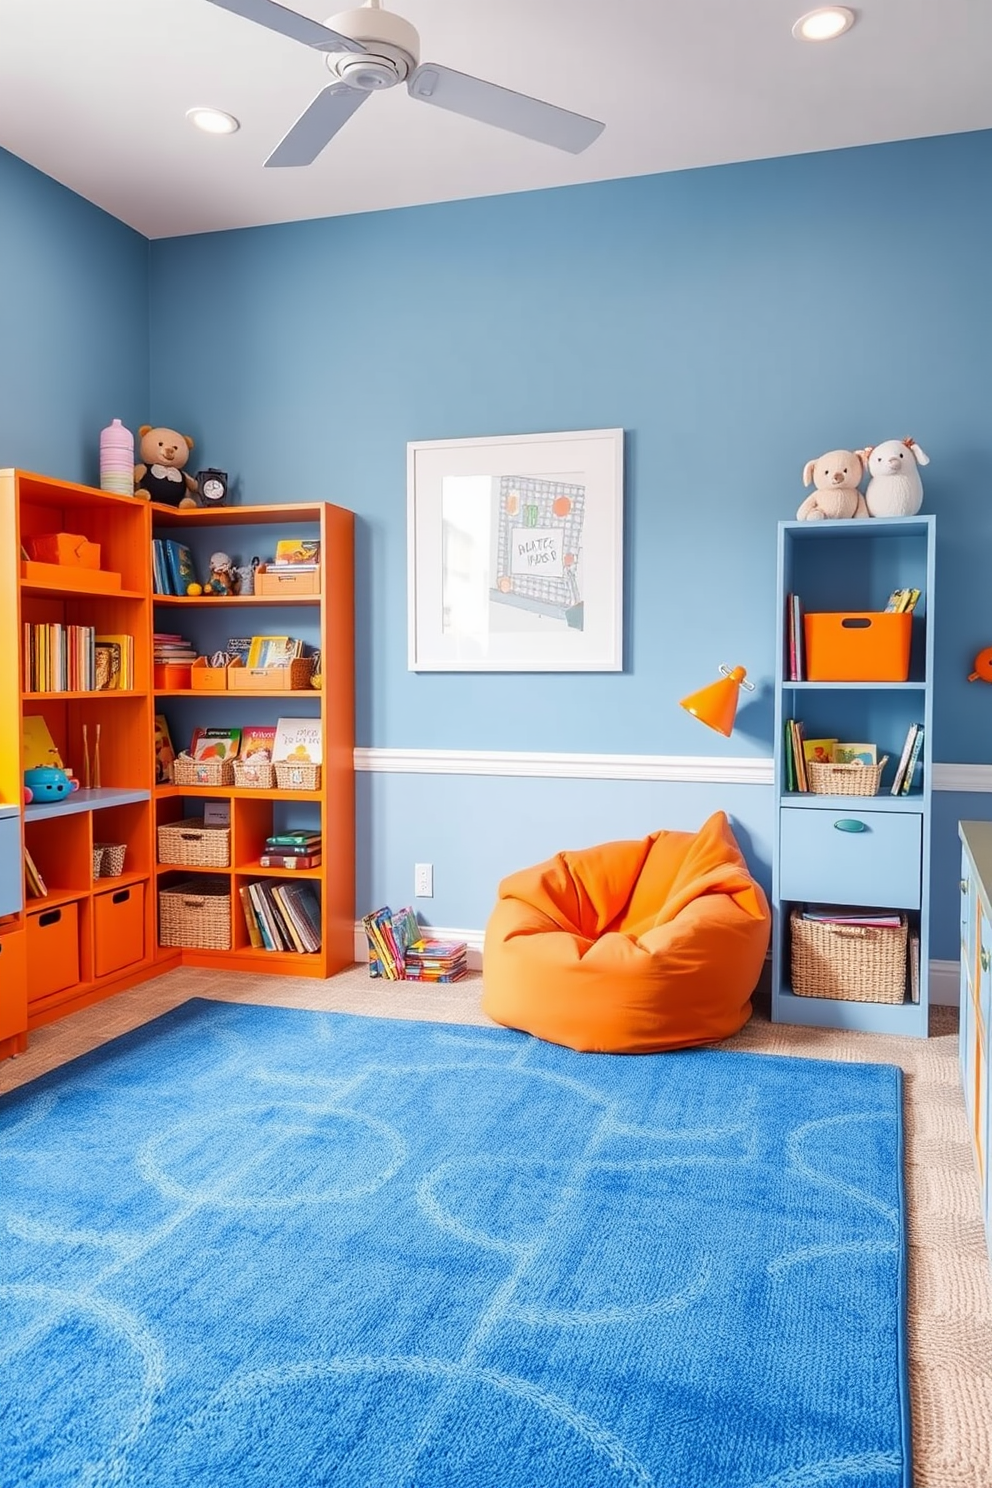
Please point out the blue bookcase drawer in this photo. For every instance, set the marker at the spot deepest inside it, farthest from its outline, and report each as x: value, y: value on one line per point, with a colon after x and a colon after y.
x: 851, y: 857
x: 11, y: 868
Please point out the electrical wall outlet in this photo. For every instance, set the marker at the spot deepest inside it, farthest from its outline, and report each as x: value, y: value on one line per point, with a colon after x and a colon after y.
x: 423, y: 880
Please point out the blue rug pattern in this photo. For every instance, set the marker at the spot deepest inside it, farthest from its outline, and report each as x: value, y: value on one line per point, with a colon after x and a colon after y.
x: 255, y: 1247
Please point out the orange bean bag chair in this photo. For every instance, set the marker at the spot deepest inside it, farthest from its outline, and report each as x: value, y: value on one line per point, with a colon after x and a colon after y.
x: 630, y: 947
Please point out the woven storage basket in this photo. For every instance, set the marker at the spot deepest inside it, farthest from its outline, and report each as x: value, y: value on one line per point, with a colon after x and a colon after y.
x: 112, y: 855
x: 97, y: 859
x: 845, y: 780
x: 254, y: 774
x: 188, y: 771
x: 297, y: 776
x: 189, y: 844
x: 853, y: 963
x: 196, y: 913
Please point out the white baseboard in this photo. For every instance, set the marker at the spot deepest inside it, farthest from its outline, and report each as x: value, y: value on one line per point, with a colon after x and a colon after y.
x: 944, y: 975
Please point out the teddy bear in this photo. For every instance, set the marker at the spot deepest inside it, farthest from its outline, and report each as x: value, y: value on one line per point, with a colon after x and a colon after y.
x: 160, y: 476
x: 836, y: 476
x: 895, y: 488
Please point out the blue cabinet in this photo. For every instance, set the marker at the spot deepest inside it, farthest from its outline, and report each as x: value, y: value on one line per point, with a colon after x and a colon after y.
x: 854, y: 851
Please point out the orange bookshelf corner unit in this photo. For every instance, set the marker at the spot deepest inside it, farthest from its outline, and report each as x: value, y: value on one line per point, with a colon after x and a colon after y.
x: 93, y: 910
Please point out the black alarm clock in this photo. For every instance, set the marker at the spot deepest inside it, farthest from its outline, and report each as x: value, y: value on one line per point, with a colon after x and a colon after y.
x: 213, y: 487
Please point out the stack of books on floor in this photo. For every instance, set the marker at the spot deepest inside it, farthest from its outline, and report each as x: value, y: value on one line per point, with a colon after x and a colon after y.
x: 282, y: 916
x: 400, y: 952
x: 436, y: 961
x: 291, y: 850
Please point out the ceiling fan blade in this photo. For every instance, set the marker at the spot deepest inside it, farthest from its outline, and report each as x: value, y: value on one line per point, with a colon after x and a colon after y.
x: 287, y: 23
x: 332, y: 108
x: 491, y: 104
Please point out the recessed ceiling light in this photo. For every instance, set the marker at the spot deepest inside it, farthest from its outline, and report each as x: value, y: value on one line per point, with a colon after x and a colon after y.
x: 213, y: 121
x: 824, y: 24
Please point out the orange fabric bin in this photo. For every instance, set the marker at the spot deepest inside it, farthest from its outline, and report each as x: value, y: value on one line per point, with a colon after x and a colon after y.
x: 119, y: 928
x: 858, y: 646
x: 53, y: 950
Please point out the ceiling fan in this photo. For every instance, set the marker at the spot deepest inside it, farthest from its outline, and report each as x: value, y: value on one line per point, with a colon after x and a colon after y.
x: 371, y: 48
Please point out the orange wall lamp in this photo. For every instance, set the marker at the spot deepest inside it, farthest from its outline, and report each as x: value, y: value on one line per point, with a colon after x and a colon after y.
x: 716, y: 705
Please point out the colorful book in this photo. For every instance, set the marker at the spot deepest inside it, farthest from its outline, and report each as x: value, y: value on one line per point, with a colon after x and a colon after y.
x: 855, y: 754
x: 215, y: 743
x: 296, y: 552
x: 165, y: 754
x: 912, y: 762
x: 907, y: 748
x: 37, y: 744
x: 251, y: 920
x: 269, y: 650
x: 819, y: 751
x: 283, y: 860
x: 256, y: 738
x: 179, y: 564
x: 298, y: 741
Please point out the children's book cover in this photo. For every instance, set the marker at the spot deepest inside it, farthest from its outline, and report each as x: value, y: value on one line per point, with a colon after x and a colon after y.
x: 164, y: 752
x: 268, y: 651
x: 38, y: 746
x: 819, y: 751
x: 855, y: 754
x: 298, y: 741
x: 297, y: 551
x: 215, y: 743
x: 257, y: 738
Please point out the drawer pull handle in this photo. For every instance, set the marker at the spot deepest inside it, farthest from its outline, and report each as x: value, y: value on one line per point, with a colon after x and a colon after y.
x: 984, y: 958
x: 121, y: 897
x: 850, y: 824
x: 51, y: 917
x: 964, y: 886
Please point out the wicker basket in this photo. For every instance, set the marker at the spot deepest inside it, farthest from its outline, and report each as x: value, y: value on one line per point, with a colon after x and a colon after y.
x: 845, y: 780
x: 188, y: 771
x: 254, y: 773
x: 301, y: 777
x: 189, y: 844
x: 112, y: 855
x: 97, y: 859
x: 196, y: 913
x: 853, y: 963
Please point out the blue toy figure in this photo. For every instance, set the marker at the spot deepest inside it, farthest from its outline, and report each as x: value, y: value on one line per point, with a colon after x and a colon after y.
x: 48, y: 784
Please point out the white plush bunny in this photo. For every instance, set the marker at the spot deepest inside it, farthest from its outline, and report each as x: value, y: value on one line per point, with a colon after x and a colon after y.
x: 895, y: 488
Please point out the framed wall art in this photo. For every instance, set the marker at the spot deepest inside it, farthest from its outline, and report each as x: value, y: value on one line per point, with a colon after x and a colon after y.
x: 515, y: 553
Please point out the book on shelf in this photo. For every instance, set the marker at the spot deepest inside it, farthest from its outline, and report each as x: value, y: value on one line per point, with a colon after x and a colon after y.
x: 838, y: 914
x: 33, y: 881
x: 165, y: 754
x: 855, y: 754
x: 114, y: 657
x: 286, y: 916
x: 819, y: 751
x: 914, y: 759
x: 297, y: 553
x: 289, y: 860
x: 215, y: 743
x: 907, y: 749
x: 293, y: 846
x: 902, y: 601
x: 298, y: 741
x: 37, y: 744
x: 59, y: 658
x: 251, y: 920
x: 913, y: 956
x: 257, y: 738
x: 179, y: 565
x: 270, y: 651
x: 798, y: 756
x: 239, y: 646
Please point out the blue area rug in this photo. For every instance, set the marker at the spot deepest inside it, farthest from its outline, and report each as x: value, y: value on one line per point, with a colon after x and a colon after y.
x: 253, y: 1247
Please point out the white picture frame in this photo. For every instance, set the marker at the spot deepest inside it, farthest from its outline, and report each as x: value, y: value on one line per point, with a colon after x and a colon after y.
x: 515, y: 553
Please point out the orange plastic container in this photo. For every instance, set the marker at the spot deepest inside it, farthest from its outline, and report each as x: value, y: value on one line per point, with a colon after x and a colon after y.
x: 858, y: 646
x: 171, y: 675
x: 119, y: 928
x: 53, y: 950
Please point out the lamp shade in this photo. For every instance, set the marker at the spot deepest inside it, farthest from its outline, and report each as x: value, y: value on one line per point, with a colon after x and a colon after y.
x: 716, y: 705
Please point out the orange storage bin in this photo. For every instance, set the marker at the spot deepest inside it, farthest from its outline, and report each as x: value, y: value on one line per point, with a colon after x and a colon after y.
x: 119, y: 929
x: 277, y: 581
x: 53, y: 950
x: 206, y: 678
x: 858, y: 646
x: 171, y: 675
x: 70, y: 548
x: 13, y: 984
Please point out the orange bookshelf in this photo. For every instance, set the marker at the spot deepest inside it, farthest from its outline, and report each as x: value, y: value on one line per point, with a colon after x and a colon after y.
x: 89, y: 938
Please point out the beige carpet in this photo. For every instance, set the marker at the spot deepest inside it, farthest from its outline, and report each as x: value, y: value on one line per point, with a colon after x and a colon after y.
x: 950, y: 1339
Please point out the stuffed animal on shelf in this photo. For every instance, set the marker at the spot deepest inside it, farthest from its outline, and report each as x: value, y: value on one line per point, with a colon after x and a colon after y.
x: 895, y: 488
x: 836, y: 476
x: 160, y: 475
x: 223, y: 576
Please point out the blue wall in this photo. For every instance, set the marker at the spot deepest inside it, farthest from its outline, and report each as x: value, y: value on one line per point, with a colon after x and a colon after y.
x: 736, y: 322
x: 74, y: 324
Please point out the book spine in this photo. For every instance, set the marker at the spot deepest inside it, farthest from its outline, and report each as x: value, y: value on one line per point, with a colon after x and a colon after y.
x: 907, y: 746
x: 914, y: 756
x: 273, y: 860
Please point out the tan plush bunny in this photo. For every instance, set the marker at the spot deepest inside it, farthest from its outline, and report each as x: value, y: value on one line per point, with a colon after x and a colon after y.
x: 836, y: 476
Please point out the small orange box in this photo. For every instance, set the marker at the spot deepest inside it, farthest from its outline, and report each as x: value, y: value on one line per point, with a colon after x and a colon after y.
x: 858, y: 646
x: 69, y: 548
x: 292, y: 678
x: 171, y: 675
x: 281, y: 581
x: 53, y: 950
x: 119, y: 929
x: 206, y: 678
x: 69, y: 577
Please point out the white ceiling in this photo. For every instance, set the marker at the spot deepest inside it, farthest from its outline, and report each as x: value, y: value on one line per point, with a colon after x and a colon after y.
x: 94, y: 93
